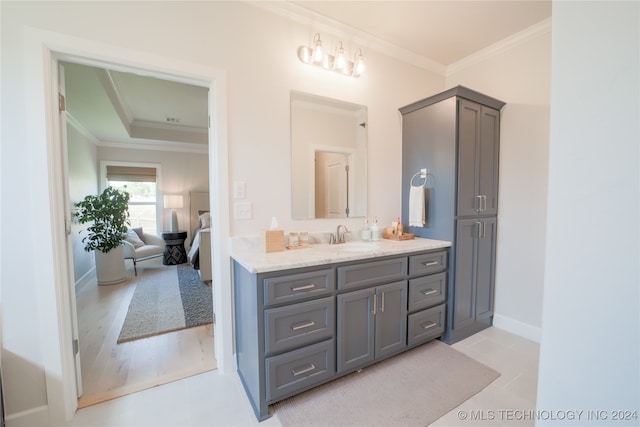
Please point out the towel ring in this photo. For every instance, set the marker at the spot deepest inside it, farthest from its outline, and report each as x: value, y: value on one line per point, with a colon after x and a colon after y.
x: 423, y: 175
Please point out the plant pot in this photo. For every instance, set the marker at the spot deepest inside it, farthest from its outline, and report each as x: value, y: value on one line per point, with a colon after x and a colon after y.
x: 110, y: 266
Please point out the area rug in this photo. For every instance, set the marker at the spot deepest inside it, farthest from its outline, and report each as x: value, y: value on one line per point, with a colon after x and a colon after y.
x: 414, y: 388
x: 167, y: 299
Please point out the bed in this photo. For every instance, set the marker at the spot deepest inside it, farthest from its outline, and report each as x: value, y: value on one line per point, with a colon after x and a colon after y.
x: 200, y: 226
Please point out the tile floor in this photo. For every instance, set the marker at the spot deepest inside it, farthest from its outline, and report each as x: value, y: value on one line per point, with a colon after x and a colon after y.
x: 213, y: 399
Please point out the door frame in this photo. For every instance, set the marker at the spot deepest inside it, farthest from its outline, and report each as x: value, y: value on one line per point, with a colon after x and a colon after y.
x: 43, y: 50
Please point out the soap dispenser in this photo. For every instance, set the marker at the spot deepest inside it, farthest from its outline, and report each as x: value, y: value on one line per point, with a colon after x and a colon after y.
x: 366, y: 231
x: 375, y: 230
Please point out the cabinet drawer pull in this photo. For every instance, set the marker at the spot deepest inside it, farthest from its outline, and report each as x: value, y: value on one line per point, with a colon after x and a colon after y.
x: 302, y: 371
x: 429, y: 292
x: 430, y: 263
x: 299, y: 326
x: 303, y: 287
x: 429, y: 325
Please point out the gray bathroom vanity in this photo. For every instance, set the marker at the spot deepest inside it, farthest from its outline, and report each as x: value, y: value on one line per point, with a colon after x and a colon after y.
x: 305, y: 317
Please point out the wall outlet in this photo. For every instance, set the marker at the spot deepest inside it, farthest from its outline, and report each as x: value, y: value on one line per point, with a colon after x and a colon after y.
x: 239, y: 190
x: 242, y: 210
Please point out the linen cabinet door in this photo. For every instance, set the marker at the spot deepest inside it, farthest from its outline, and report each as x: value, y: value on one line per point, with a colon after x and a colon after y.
x: 463, y: 310
x: 488, y: 157
x: 355, y: 329
x: 485, y: 274
x: 391, y: 318
x: 468, y: 142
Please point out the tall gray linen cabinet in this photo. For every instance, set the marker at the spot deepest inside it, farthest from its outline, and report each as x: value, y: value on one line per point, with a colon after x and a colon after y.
x: 455, y: 135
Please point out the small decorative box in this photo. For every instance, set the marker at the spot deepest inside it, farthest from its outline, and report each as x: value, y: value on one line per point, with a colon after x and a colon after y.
x: 272, y: 240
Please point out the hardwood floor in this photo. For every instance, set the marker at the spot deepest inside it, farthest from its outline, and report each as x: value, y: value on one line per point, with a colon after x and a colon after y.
x: 111, y: 370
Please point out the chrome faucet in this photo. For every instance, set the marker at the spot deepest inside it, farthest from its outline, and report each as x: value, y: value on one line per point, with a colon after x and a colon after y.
x: 339, y: 237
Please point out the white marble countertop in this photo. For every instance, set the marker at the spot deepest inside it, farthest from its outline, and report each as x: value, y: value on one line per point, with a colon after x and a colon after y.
x: 248, y: 254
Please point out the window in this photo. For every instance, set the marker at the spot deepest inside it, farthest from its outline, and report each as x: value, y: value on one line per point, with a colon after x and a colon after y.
x: 140, y: 183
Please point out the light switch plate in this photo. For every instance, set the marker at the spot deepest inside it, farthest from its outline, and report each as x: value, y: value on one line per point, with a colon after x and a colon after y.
x: 242, y: 210
x: 239, y: 190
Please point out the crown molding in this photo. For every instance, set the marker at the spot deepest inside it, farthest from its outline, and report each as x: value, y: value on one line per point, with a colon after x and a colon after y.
x: 533, y: 32
x: 154, y: 145
x: 327, y: 25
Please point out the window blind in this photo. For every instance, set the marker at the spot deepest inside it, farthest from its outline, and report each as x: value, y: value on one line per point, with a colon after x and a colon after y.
x: 131, y: 173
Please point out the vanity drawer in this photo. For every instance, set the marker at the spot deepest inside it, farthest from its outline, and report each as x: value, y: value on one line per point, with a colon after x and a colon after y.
x: 296, y: 287
x: 427, y: 291
x: 427, y: 263
x: 426, y: 325
x: 371, y: 273
x: 299, y: 370
x: 298, y: 325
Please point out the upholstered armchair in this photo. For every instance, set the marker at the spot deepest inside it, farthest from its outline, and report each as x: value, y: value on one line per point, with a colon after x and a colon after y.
x: 139, y: 246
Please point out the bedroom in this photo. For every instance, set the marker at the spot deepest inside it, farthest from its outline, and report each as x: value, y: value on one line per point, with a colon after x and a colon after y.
x: 97, y: 138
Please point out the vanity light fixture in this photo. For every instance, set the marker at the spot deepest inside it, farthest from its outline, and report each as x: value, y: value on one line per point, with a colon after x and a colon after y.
x: 339, y: 63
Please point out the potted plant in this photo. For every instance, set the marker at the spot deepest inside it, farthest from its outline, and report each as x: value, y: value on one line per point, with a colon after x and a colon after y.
x: 109, y: 215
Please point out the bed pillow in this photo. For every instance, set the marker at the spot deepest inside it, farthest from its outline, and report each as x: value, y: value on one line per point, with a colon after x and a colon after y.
x: 205, y: 220
x: 133, y: 238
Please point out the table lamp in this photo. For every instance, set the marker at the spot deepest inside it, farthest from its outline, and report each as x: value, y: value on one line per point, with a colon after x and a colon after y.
x: 173, y: 202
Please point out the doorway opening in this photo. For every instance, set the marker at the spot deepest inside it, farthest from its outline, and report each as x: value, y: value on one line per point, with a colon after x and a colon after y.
x: 108, y: 369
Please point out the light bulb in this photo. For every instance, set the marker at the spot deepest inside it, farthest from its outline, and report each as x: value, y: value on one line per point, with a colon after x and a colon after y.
x: 317, y: 48
x: 340, y: 60
x: 359, y: 67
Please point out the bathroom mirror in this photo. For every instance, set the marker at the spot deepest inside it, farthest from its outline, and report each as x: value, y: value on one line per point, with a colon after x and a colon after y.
x: 328, y: 158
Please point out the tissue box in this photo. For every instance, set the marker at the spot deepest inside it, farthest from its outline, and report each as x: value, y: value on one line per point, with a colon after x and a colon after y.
x: 272, y: 240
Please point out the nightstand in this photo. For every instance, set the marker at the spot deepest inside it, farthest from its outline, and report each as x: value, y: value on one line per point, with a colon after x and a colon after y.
x: 174, y: 251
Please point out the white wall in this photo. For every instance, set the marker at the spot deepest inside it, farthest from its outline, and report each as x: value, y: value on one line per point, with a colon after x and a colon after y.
x: 519, y: 76
x: 590, y: 350
x: 258, y: 51
x: 83, y: 180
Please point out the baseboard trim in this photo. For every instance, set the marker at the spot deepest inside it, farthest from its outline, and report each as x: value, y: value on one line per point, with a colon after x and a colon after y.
x: 517, y: 327
x: 86, y: 277
x: 38, y: 416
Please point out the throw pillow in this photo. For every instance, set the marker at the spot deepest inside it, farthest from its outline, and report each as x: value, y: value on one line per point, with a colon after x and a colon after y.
x: 205, y: 220
x: 132, y: 237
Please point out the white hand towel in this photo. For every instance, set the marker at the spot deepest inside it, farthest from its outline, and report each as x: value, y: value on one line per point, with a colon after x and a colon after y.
x: 416, y: 206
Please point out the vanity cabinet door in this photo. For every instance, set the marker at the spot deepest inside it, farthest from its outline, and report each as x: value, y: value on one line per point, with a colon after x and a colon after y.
x: 372, y: 324
x: 356, y: 323
x: 391, y: 319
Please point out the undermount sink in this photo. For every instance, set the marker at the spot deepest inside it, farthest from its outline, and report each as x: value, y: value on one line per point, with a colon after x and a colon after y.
x: 355, y: 247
